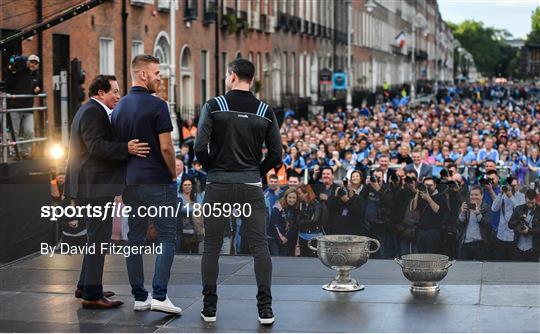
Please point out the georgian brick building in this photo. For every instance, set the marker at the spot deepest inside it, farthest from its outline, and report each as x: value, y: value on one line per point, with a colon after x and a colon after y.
x: 289, y: 41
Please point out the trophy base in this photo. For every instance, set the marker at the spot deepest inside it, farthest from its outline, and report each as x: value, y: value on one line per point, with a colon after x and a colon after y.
x: 424, y: 287
x: 350, y: 286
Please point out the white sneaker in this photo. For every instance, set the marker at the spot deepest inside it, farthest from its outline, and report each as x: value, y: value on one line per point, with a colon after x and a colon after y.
x: 143, y: 306
x: 165, y: 306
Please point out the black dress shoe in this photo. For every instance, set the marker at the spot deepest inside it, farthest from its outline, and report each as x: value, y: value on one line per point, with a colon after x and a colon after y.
x: 79, y: 293
x: 102, y: 303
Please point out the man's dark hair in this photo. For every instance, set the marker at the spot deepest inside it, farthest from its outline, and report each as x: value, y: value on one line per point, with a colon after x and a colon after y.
x: 412, y: 171
x: 490, y: 160
x: 100, y: 82
x: 139, y: 60
x: 530, y: 194
x: 327, y: 167
x: 273, y: 177
x: 243, y: 69
x: 491, y: 172
x: 427, y: 178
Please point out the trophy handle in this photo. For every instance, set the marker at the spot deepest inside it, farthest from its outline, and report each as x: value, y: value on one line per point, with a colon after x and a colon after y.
x: 311, y: 247
x: 399, y: 261
x: 377, y: 243
x: 450, y: 263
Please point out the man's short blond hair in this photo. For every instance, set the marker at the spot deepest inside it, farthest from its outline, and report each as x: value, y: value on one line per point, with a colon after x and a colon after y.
x: 140, y: 61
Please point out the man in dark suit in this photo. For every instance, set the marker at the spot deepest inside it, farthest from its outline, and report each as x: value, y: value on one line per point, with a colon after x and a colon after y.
x: 421, y: 168
x: 94, y: 176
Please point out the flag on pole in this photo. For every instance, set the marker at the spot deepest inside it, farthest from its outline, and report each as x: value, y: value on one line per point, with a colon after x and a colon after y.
x: 400, y: 40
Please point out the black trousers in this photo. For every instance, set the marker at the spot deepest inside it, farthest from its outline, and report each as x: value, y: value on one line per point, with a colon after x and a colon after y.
x: 98, y: 231
x: 247, y: 196
x: 528, y: 256
x: 473, y: 251
x: 505, y: 250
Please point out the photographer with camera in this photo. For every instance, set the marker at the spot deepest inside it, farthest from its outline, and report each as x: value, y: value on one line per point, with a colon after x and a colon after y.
x: 350, y: 207
x: 509, y: 198
x: 453, y: 187
x: 406, y: 226
x: 490, y: 184
x: 474, y: 227
x: 525, y: 222
x: 377, y: 213
x: 432, y: 206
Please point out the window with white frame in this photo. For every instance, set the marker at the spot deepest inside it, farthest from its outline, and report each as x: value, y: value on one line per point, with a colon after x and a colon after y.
x: 106, y: 56
x: 137, y: 48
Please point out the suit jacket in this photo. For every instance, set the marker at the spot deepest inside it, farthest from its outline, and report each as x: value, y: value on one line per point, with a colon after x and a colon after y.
x: 425, y: 170
x: 96, y: 163
x: 513, y: 223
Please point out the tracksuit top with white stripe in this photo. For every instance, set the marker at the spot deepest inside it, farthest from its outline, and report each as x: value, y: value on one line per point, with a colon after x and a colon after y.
x: 230, y: 135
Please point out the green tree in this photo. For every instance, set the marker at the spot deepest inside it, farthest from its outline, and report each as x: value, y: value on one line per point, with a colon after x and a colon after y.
x: 534, y: 35
x: 491, y: 54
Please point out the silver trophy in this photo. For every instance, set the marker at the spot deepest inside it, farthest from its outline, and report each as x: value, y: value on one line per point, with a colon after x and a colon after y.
x: 424, y: 270
x: 343, y: 253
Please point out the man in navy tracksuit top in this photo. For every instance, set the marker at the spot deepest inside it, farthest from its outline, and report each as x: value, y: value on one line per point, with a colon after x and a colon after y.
x: 231, y: 133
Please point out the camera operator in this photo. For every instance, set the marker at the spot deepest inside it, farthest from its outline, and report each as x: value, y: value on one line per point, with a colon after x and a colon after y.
x: 350, y: 207
x: 23, y: 78
x: 474, y: 220
x: 406, y: 226
x: 525, y: 222
x: 490, y: 184
x: 505, y: 202
x: 432, y: 206
x: 452, y: 186
x: 377, y: 213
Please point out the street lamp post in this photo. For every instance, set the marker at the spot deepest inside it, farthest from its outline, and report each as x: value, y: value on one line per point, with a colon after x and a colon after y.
x: 349, y: 70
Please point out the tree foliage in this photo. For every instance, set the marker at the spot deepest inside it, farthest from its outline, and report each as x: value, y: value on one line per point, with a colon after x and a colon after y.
x: 534, y: 35
x: 491, y: 54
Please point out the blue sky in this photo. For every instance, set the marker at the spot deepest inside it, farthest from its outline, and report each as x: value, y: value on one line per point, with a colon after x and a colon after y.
x: 512, y: 15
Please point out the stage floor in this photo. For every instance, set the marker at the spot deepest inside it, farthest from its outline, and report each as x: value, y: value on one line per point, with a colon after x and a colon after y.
x: 36, y: 295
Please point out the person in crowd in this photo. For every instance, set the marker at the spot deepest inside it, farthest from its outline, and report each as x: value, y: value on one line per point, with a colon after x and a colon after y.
x: 377, y: 213
x: 310, y: 220
x: 284, y: 224
x: 190, y: 230
x: 350, y: 207
x: 474, y: 227
x: 525, y: 222
x: 272, y: 193
x: 407, y: 218
x: 432, y: 207
x: 506, y: 201
x: 421, y: 169
x: 325, y: 191
x: 488, y: 151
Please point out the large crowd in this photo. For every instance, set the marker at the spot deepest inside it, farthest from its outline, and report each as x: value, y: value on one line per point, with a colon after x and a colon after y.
x: 459, y: 176
x: 450, y: 177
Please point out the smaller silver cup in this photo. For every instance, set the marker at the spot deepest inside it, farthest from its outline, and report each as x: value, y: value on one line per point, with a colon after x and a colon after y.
x: 343, y: 253
x: 424, y: 270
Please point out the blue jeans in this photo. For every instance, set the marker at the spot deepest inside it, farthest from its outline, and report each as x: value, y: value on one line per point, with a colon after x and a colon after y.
x: 151, y: 195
